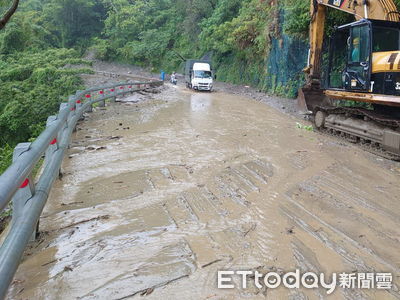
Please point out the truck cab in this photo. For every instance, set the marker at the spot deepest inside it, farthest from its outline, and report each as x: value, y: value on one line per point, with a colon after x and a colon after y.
x: 198, y: 75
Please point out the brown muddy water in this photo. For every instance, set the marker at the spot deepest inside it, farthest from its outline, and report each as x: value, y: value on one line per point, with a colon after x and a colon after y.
x: 161, y: 191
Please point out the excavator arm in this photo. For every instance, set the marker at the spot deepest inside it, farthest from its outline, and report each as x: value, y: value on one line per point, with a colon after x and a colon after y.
x: 369, y: 9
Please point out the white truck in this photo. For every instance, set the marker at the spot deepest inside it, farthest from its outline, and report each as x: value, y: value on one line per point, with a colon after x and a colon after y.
x: 198, y: 75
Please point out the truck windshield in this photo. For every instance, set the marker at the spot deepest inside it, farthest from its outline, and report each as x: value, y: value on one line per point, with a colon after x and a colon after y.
x: 385, y: 39
x: 202, y: 74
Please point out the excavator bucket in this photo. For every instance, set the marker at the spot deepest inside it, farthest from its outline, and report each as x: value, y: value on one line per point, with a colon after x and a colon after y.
x: 309, y: 98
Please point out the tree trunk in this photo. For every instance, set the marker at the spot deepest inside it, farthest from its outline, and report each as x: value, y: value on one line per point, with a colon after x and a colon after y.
x: 8, y: 14
x: 4, y: 20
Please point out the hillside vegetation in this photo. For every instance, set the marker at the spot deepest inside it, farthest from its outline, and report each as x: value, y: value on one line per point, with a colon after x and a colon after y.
x: 258, y: 42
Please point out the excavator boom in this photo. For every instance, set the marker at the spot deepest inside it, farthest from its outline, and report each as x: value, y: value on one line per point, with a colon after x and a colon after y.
x: 364, y: 9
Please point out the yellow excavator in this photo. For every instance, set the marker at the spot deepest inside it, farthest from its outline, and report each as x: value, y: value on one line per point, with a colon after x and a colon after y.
x: 362, y: 65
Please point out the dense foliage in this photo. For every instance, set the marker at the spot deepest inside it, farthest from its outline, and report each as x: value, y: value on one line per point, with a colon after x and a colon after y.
x: 246, y: 39
x: 160, y: 32
x: 36, y: 73
x: 32, y: 86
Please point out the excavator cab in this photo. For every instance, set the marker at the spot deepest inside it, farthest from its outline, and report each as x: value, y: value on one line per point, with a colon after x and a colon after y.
x: 363, y: 57
x: 350, y: 57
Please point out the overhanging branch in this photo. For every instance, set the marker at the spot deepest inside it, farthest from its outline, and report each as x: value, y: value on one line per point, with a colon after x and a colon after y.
x: 7, y: 16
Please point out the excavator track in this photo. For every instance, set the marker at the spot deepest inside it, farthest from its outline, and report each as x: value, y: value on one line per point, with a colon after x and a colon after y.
x: 366, y: 147
x: 373, y: 132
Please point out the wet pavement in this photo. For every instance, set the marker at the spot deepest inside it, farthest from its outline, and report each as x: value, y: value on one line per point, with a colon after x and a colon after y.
x: 161, y: 191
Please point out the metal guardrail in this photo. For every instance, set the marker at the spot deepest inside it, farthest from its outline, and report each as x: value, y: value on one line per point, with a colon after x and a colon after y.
x: 16, y: 183
x: 108, y: 74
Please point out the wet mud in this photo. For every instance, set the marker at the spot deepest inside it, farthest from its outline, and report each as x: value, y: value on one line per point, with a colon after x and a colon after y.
x: 161, y: 191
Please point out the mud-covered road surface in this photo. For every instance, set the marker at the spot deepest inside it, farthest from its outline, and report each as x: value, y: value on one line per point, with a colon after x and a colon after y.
x: 161, y: 191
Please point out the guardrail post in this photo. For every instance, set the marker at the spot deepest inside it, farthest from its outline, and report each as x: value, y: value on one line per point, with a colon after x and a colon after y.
x: 90, y: 107
x: 130, y: 87
x: 102, y: 103
x: 113, y: 99
x: 62, y: 107
x: 126, y: 88
x: 72, y: 99
x: 53, y: 144
x: 24, y: 193
x: 78, y: 105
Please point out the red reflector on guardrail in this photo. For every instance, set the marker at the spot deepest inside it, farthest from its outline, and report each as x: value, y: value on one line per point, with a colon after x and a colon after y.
x: 112, y: 90
x: 101, y: 92
x: 73, y: 108
x: 78, y: 101
x: 53, y: 142
x: 25, y: 183
x: 87, y: 96
x: 121, y: 87
x: 130, y: 86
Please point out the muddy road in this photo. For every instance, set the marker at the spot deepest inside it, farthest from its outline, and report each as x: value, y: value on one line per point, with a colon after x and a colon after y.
x: 161, y: 191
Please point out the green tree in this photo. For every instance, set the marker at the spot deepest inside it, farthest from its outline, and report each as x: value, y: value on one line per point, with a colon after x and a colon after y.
x: 74, y: 22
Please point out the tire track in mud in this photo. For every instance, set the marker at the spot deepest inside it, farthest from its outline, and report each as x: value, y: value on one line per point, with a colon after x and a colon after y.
x: 345, y: 255
x: 337, y: 199
x: 213, y: 204
x: 338, y: 209
x: 333, y: 190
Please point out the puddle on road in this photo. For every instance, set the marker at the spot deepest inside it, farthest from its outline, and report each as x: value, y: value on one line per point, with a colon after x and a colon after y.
x: 191, y: 183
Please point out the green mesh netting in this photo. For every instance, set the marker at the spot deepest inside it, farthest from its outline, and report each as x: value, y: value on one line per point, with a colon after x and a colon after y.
x: 287, y: 58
